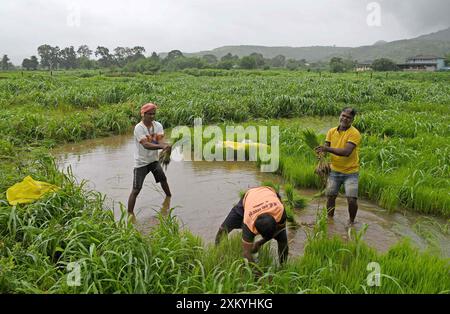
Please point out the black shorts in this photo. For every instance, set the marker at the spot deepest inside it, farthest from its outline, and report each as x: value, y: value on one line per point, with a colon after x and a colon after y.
x: 235, y: 218
x: 140, y: 173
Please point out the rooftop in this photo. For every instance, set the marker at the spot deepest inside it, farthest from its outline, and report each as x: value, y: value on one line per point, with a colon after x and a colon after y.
x: 426, y: 57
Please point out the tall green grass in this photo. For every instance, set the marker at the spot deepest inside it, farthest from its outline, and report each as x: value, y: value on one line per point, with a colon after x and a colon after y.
x: 40, y: 240
x: 404, y: 164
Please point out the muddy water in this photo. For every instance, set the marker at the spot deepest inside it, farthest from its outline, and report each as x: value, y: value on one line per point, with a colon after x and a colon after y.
x: 384, y: 228
x: 204, y: 193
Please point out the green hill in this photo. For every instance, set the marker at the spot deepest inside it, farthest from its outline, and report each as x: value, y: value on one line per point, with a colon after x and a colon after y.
x: 437, y: 43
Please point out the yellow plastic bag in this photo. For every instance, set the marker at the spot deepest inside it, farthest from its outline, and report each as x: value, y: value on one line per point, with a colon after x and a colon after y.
x: 28, y: 191
x: 242, y: 145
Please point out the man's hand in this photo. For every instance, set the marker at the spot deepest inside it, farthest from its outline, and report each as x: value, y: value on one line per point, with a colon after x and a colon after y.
x: 255, y: 248
x: 166, y: 146
x: 321, y: 149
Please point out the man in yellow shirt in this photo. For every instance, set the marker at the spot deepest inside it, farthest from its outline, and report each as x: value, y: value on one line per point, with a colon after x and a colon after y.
x: 343, y: 143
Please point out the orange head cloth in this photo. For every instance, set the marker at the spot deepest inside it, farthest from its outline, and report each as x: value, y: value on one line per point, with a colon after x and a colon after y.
x: 148, y: 107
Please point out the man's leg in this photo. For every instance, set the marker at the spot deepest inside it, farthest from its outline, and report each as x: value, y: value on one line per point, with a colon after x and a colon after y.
x: 283, y: 248
x: 332, y: 191
x: 220, y: 234
x: 352, y: 208
x: 139, y: 175
x: 351, y: 191
x: 331, y: 205
x: 160, y: 177
x: 132, y: 199
x: 233, y: 221
x: 166, y: 189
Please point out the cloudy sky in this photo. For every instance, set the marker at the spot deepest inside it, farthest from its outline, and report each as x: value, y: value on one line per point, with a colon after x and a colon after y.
x: 195, y: 25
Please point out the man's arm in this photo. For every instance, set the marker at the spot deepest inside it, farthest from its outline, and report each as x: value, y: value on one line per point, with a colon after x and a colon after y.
x: 346, y: 151
x: 162, y: 140
x: 257, y: 245
x: 152, y: 146
x: 247, y: 250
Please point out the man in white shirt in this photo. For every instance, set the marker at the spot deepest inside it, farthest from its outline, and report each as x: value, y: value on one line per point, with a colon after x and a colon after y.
x: 148, y: 138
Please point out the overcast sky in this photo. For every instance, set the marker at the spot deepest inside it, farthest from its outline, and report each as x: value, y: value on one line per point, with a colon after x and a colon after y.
x: 195, y: 25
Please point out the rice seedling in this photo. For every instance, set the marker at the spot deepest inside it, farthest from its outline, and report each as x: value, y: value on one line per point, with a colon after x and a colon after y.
x: 164, y: 157
x: 323, y: 167
x: 292, y: 198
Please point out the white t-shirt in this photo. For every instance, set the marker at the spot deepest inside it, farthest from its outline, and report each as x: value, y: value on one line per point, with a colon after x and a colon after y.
x: 143, y: 156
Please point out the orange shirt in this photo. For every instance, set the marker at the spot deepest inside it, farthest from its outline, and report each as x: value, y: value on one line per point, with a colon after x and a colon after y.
x: 258, y: 201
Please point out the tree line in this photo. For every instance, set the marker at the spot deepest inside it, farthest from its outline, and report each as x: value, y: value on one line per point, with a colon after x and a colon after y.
x: 133, y: 60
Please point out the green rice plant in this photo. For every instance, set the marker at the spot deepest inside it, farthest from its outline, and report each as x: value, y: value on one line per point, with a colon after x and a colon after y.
x: 273, y: 185
x: 310, y: 138
x: 404, y: 164
x: 292, y: 198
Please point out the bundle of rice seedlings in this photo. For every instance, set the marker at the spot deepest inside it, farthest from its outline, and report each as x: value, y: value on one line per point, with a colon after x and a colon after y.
x: 271, y: 184
x: 164, y: 157
x: 292, y: 198
x: 323, y: 167
x: 310, y: 138
x: 290, y: 216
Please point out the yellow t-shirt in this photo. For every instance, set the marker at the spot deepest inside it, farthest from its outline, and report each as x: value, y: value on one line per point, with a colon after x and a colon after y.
x: 338, y: 139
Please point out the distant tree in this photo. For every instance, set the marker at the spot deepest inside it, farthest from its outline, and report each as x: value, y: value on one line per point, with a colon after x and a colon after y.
x: 44, y: 51
x: 259, y: 59
x: 143, y: 65
x: 230, y: 57
x: 84, y: 51
x: 349, y: 64
x: 337, y: 65
x: 106, y: 59
x: 248, y: 62
x: 30, y: 64
x: 85, y: 63
x: 68, y: 58
x: 210, y: 59
x: 278, y: 61
x: 447, y: 60
x: 384, y: 64
x: 137, y: 52
x: 174, y: 54
x: 155, y: 58
x: 49, y: 56
x: 181, y: 63
x: 292, y: 64
x: 121, y: 54
x: 26, y: 64
x: 226, y: 65
x: 5, y: 65
x: 227, y: 57
x: 228, y: 61
x: 34, y: 63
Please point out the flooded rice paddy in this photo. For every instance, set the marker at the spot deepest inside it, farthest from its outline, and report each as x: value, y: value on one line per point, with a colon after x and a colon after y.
x: 204, y: 192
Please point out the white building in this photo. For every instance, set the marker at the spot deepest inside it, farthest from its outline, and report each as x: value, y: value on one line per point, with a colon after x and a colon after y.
x: 423, y: 63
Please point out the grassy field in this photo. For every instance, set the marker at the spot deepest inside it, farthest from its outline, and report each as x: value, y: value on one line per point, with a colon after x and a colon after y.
x: 403, y: 117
